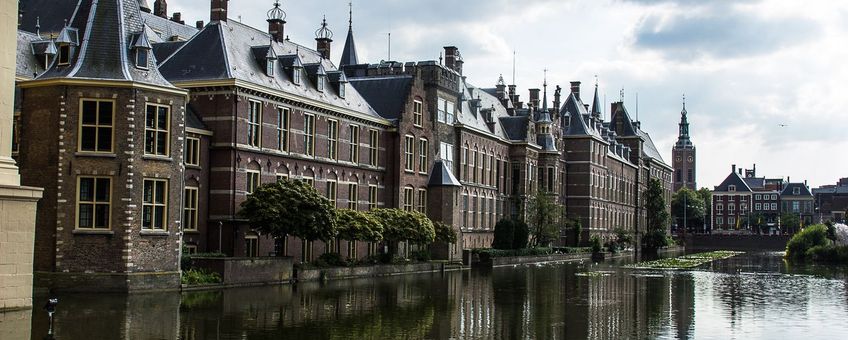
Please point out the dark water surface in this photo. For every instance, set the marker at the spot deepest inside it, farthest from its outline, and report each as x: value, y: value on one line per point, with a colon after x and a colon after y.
x: 752, y: 296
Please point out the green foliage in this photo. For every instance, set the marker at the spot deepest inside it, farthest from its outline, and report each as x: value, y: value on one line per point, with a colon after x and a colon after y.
x: 595, y: 243
x: 354, y: 225
x: 694, y: 213
x: 831, y: 230
x: 444, y: 233
x: 422, y: 255
x: 577, y: 227
x: 572, y: 250
x: 655, y: 239
x: 330, y: 260
x: 623, y: 238
x: 656, y: 236
x: 199, y: 277
x: 789, y: 222
x: 401, y: 225
x: 290, y: 207
x: 686, y: 261
x: 812, y: 236
x: 520, y: 235
x: 504, y: 233
x: 830, y: 253
x: 544, y: 216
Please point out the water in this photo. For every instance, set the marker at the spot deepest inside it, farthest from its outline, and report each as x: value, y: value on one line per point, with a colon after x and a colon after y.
x: 753, y: 296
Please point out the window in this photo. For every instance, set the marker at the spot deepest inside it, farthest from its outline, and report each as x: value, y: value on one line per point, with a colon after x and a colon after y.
x: 409, y: 148
x: 333, y: 139
x: 719, y: 220
x: 251, y: 245
x: 309, y: 134
x: 16, y: 132
x: 296, y: 75
x: 758, y: 197
x: 94, y: 203
x: 423, y: 147
x: 190, y: 209
x: 774, y: 197
x: 422, y: 201
x: 192, y: 153
x: 141, y: 57
x: 719, y: 207
x: 731, y: 208
x: 446, y: 151
x: 254, y: 124
x: 441, y: 108
x: 796, y: 206
x: 308, y: 180
x: 407, y: 198
x: 445, y: 111
x: 354, y: 143
x: 372, y: 197
x: 189, y: 249
x: 283, y: 118
x: 352, y: 196
x: 96, y: 125
x: 758, y: 206
x: 320, y: 83
x: 332, y: 191
x: 774, y: 206
x: 689, y: 175
x: 64, y: 54
x: 417, y: 113
x: 269, y: 67
x: 341, y: 90
x: 449, y: 111
x: 678, y: 175
x: 252, y: 181
x: 373, y: 145
x: 155, y: 207
x: 551, y: 180
x: 796, y: 191
x: 281, y: 177
x: 731, y: 220
x: 731, y: 188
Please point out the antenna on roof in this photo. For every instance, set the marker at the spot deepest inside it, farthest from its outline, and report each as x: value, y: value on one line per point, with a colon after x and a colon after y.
x: 513, y: 67
x: 390, y: 46
x: 637, y: 106
x: 239, y: 18
x: 38, y: 26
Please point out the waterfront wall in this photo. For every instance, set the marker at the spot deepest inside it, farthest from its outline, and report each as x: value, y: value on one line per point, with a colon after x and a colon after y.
x: 738, y: 242
x: 339, y: 273
x: 236, y: 271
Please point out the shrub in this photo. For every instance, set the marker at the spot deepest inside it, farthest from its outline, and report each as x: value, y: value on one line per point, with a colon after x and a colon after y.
x: 444, y: 233
x: 331, y: 260
x: 504, y: 233
x: 810, y: 237
x: 595, y: 242
x: 199, y: 277
x: 520, y: 235
x: 512, y: 252
x: 421, y: 255
x: 655, y: 239
x: 829, y: 253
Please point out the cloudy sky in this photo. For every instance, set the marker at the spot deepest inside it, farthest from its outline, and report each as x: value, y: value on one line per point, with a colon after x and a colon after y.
x: 765, y: 81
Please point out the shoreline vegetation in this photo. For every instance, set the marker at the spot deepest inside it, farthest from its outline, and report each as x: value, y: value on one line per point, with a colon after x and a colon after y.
x: 686, y: 261
x: 824, y: 243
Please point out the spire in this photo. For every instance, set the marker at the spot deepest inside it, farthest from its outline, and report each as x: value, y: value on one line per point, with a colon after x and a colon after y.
x: 349, y: 56
x: 683, y: 136
x: 545, y: 95
x: 596, y: 103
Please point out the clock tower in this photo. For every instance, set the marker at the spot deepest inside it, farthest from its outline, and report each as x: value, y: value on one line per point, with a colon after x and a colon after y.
x: 683, y: 155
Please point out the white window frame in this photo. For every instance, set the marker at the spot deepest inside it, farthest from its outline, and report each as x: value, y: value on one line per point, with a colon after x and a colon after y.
x: 154, y: 205
x: 283, y: 126
x: 409, y: 153
x: 423, y: 157
x: 309, y: 134
x: 254, y: 124
x: 417, y: 112
x: 253, y: 179
x: 333, y: 139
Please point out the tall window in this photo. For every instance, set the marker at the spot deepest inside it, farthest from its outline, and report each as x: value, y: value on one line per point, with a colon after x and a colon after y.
x: 252, y: 181
x: 333, y: 139
x: 446, y: 150
x: 354, y: 143
x: 423, y: 148
x: 94, y: 203
x: 16, y: 132
x: 296, y: 75
x: 352, y: 196
x: 192, y: 153
x: 155, y: 206
x: 445, y: 111
x: 373, y: 146
x: 474, y: 166
x: 408, y: 193
x: 372, y: 197
x: 409, y: 148
x: 96, y: 125
x: 418, y: 113
x: 254, y: 124
x: 283, y: 118
x: 422, y: 201
x: 251, y: 245
x: 142, y: 55
x: 332, y: 191
x: 689, y: 175
x: 64, y: 54
x: 309, y: 134
x: 190, y: 209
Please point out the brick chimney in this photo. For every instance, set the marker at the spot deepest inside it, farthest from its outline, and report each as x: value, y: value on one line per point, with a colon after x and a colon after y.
x: 734, y: 168
x: 453, y: 59
x: 199, y: 24
x: 557, y: 99
x: 324, y: 40
x: 178, y: 18
x: 218, y: 11
x: 277, y: 23
x: 534, y: 98
x: 160, y: 8
x: 575, y: 88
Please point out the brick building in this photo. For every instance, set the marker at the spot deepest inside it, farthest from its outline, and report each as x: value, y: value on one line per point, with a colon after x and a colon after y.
x: 227, y: 107
x: 683, y: 153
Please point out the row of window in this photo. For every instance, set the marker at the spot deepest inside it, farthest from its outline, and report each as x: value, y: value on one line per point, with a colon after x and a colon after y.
x: 765, y: 197
x: 97, y: 127
x: 253, y: 182
x: 94, y: 204
x: 480, y: 211
x: 254, y: 134
x: 445, y: 111
x: 411, y: 204
x: 409, y: 154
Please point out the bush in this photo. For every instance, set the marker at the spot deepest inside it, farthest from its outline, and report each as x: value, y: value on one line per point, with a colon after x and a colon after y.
x: 421, y: 255
x: 595, y: 243
x: 520, y: 235
x: 199, y: 277
x: 829, y: 253
x: 810, y: 237
x: 330, y: 260
x: 512, y: 252
x: 655, y: 239
x: 504, y: 234
x: 444, y: 233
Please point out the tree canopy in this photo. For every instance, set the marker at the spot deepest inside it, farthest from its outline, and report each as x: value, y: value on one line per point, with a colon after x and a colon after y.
x: 444, y: 233
x: 693, y: 203
x: 290, y: 207
x: 656, y: 235
x: 401, y: 225
x: 354, y: 225
x: 544, y: 216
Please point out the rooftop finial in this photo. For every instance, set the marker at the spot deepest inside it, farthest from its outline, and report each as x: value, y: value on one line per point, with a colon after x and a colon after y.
x: 684, y: 102
x: 350, y: 14
x: 276, y: 13
x: 545, y: 82
x: 596, y: 81
x: 501, y: 80
x: 38, y: 26
x: 324, y: 32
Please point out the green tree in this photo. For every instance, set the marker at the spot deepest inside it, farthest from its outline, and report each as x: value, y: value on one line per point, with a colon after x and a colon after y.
x: 543, y: 217
x: 520, y: 235
x: 757, y: 222
x: 444, y: 233
x: 707, y: 198
x: 790, y: 223
x: 402, y: 225
x: 694, y: 207
x: 290, y: 207
x: 504, y: 233
x: 354, y: 225
x: 656, y: 235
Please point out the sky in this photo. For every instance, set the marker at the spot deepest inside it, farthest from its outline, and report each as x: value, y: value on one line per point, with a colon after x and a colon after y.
x: 765, y: 80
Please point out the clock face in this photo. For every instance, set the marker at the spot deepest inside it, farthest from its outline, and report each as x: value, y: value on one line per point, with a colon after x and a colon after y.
x: 678, y: 159
x: 691, y: 159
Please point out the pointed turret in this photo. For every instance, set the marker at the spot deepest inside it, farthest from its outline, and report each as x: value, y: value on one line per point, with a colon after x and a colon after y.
x: 349, y: 56
x: 683, y: 140
x: 596, y: 103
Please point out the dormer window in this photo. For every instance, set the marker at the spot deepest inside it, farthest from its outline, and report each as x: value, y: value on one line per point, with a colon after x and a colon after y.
x: 320, y: 83
x: 341, y: 90
x: 142, y: 57
x: 296, y: 75
x: 64, y: 54
x: 731, y: 188
x: 269, y: 67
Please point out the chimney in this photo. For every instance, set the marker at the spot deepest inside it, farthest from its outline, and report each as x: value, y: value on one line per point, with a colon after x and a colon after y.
x: 575, y: 88
x: 199, y: 24
x: 277, y: 23
x: 500, y: 90
x: 557, y: 98
x: 740, y: 171
x: 453, y: 59
x: 323, y: 39
x: 178, y: 18
x: 219, y: 10
x: 534, y: 98
x: 734, y: 168
x: 160, y: 8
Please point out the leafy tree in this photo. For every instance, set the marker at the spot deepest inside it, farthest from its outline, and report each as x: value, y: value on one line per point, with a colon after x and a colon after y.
x: 504, y: 234
x: 707, y: 197
x: 354, y: 225
x: 657, y: 216
x: 595, y: 243
x: 402, y: 225
x: 290, y: 207
x: 757, y: 222
x: 444, y: 233
x: 790, y: 223
x: 623, y: 238
x: 520, y: 235
x: 694, y: 207
x: 544, y: 215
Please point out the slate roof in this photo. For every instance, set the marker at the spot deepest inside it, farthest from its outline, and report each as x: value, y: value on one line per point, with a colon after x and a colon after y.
x: 165, y: 49
x: 790, y: 187
x: 575, y: 118
x: 227, y: 52
x: 649, y: 149
x: 756, y: 183
x: 621, y: 115
x: 733, y: 179
x: 386, y: 94
x: 515, y: 127
x: 441, y: 176
x: 166, y: 29
x: 104, y: 51
x: 349, y: 56
x: 193, y: 120
x: 477, y: 122
x: 27, y: 65
x: 50, y: 13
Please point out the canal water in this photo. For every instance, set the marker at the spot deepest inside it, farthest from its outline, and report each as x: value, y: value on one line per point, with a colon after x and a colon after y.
x: 752, y: 296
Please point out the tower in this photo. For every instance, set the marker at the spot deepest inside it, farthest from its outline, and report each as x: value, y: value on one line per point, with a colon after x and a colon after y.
x: 349, y: 56
x: 683, y: 153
